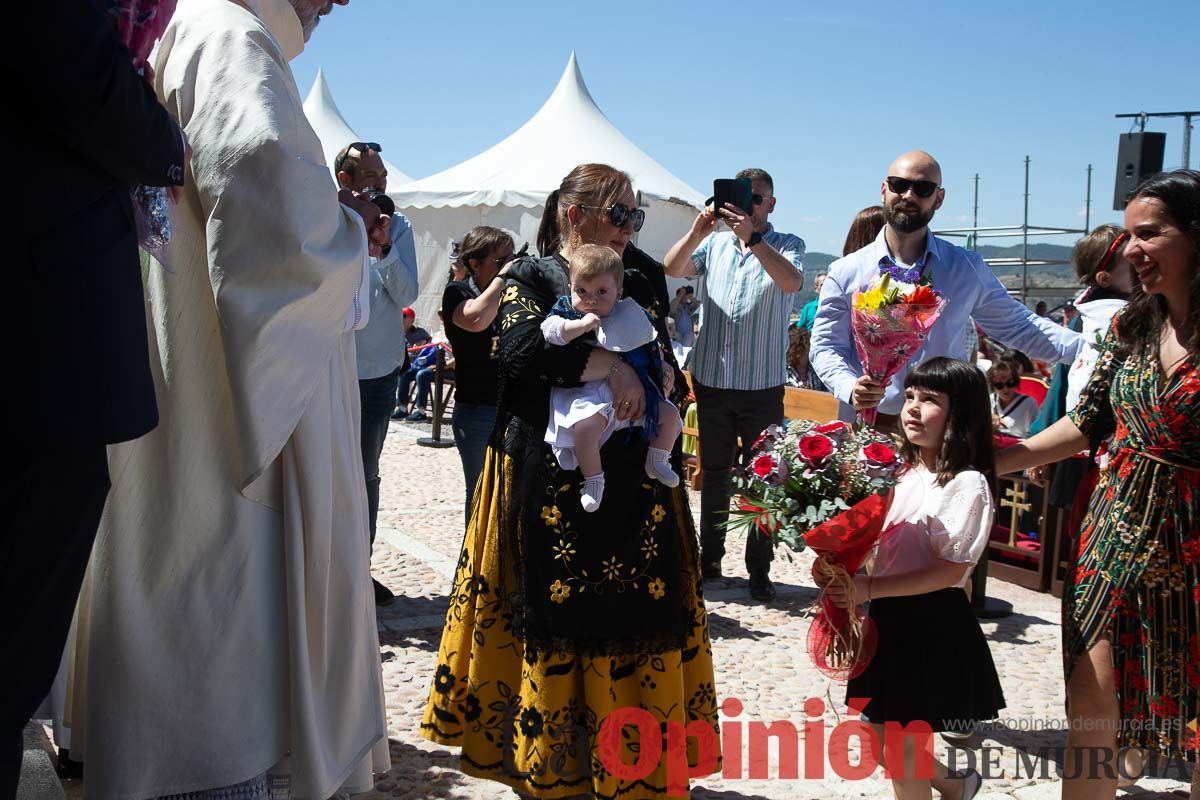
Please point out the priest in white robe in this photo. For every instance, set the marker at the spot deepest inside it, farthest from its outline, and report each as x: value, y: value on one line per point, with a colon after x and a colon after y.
x: 227, y: 624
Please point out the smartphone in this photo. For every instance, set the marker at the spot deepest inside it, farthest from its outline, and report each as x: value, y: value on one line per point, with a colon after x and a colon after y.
x: 732, y: 190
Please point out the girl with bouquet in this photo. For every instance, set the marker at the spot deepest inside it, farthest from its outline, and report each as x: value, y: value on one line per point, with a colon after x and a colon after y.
x: 932, y: 663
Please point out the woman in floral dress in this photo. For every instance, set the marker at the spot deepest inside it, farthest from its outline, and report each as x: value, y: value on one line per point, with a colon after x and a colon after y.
x: 1131, y: 622
x: 558, y: 617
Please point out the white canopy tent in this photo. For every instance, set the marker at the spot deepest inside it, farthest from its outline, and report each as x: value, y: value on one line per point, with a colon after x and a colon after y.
x: 507, y: 186
x: 332, y: 129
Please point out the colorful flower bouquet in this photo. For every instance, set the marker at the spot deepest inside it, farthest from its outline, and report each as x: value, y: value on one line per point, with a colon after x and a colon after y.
x: 890, y: 321
x: 822, y: 486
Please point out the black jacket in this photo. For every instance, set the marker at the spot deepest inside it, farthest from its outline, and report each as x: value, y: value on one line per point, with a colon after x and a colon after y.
x: 87, y: 128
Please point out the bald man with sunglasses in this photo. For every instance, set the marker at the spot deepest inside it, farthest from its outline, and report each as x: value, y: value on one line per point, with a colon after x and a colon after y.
x: 748, y: 278
x: 912, y: 193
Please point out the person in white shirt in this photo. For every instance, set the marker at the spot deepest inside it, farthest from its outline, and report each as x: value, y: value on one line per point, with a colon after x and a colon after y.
x: 1012, y: 412
x: 912, y: 193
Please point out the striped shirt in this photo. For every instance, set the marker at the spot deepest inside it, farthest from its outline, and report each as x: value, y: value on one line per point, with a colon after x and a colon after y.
x: 744, y: 319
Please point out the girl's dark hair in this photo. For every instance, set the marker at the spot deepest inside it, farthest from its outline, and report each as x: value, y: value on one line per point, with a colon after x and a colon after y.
x: 593, y: 185
x: 865, y: 228
x: 479, y: 242
x: 1141, y: 321
x: 967, y: 441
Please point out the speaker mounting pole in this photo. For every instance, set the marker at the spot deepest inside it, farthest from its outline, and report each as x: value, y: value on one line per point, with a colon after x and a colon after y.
x: 1142, y: 116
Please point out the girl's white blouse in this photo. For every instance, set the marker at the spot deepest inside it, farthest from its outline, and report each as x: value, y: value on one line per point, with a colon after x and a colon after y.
x: 927, y: 522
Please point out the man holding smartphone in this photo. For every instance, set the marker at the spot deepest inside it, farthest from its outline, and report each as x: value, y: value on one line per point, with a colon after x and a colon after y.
x: 380, y: 346
x: 749, y: 277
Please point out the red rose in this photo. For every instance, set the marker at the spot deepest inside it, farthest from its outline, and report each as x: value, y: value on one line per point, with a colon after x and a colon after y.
x: 770, y: 469
x: 815, y: 449
x: 879, y: 454
x: 764, y: 465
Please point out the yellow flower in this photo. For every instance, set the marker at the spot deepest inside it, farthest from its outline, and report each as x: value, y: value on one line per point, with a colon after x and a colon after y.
x: 612, y: 569
x: 870, y: 300
x: 551, y: 515
x: 657, y: 588
x: 510, y: 294
x: 658, y: 513
x: 559, y: 591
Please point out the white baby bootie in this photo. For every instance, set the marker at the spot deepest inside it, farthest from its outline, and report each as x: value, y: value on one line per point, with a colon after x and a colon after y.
x: 592, y: 493
x: 658, y: 467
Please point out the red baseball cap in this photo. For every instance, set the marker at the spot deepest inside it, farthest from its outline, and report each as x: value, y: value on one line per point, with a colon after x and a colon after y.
x: 408, y: 312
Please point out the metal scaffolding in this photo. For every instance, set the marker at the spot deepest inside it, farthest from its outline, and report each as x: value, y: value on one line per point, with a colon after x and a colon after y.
x: 974, y: 233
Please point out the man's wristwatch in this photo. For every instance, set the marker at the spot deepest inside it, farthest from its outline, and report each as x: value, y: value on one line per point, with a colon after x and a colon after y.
x: 755, y: 238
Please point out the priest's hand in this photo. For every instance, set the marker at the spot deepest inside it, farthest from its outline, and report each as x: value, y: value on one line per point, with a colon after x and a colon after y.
x: 376, y: 221
x: 867, y: 393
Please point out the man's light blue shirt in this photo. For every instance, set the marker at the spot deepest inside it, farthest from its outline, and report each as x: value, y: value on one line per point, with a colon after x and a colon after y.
x: 971, y: 289
x: 393, y: 286
x: 744, y: 314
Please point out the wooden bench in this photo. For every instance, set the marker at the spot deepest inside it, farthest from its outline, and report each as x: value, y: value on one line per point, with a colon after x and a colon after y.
x: 797, y: 404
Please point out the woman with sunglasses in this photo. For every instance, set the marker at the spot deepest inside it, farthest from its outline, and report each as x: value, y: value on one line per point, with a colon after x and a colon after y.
x: 1131, y: 621
x: 559, y: 617
x: 469, y: 306
x: 1012, y: 412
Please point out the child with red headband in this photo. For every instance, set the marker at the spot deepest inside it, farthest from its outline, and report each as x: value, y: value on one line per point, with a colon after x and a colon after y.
x: 1101, y: 266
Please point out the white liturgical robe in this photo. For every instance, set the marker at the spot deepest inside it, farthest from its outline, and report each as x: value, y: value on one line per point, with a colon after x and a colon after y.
x: 228, y: 618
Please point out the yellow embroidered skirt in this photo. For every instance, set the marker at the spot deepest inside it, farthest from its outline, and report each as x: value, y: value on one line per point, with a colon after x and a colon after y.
x: 525, y: 699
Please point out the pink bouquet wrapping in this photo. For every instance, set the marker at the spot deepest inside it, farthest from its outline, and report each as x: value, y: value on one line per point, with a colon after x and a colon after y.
x: 890, y: 321
x: 139, y: 24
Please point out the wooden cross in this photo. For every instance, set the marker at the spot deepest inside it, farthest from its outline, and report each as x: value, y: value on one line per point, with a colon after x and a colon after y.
x: 1014, y: 498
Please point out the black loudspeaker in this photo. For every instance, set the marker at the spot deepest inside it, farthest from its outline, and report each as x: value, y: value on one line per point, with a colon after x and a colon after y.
x: 1139, y: 155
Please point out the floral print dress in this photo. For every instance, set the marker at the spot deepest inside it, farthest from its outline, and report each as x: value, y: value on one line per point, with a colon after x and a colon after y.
x: 1137, y: 571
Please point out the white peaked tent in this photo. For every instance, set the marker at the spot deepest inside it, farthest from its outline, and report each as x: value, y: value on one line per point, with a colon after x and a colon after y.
x: 332, y: 130
x: 507, y: 186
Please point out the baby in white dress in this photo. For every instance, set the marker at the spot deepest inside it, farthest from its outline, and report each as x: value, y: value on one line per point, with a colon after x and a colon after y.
x: 582, y: 419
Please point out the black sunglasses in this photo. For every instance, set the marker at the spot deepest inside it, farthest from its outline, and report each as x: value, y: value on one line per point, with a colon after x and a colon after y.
x: 619, y: 214
x: 1012, y: 384
x: 756, y: 199
x: 920, y: 188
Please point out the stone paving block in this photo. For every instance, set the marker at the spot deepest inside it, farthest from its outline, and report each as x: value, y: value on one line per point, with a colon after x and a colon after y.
x: 759, y: 650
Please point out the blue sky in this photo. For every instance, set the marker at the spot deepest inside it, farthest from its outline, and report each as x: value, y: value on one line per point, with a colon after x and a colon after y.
x: 822, y: 95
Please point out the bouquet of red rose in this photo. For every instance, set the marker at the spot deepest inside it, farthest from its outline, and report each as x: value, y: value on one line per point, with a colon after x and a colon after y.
x: 822, y: 486
x: 806, y: 474
x: 890, y: 320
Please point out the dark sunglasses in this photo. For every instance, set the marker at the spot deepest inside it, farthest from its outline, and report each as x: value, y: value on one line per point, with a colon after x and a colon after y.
x: 619, y: 214
x: 1012, y: 384
x: 756, y: 199
x: 920, y: 188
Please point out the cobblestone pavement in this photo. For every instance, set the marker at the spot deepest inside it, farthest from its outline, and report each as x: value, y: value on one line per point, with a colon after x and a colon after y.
x: 759, y: 652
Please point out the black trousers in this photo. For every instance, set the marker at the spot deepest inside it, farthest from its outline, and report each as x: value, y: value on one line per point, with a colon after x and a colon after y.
x: 50, y: 507
x: 377, y: 397
x: 724, y: 415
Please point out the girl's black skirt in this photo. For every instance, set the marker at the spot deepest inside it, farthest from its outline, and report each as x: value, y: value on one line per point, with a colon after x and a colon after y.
x: 931, y: 664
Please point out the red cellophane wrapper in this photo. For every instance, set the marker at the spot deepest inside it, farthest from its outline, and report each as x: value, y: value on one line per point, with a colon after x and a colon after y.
x: 887, y: 338
x: 841, y: 641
